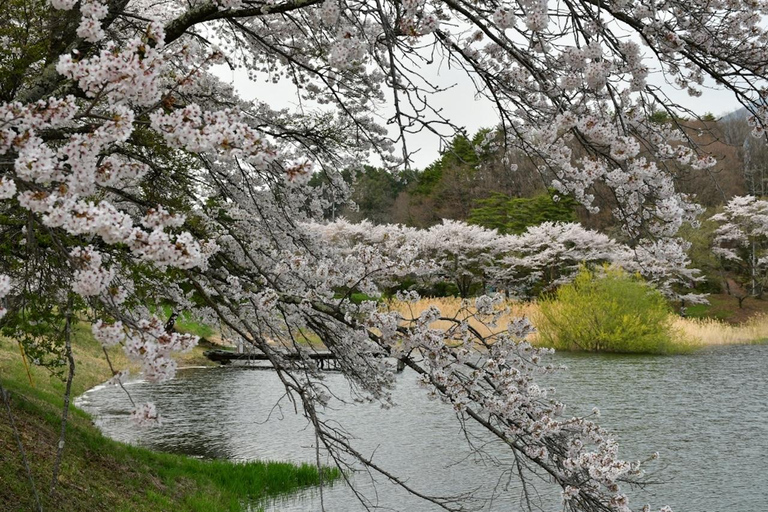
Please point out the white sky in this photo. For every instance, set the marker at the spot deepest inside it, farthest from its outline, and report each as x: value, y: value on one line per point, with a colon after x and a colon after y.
x: 460, y: 104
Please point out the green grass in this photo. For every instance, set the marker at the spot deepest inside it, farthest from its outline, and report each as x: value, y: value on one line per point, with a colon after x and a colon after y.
x: 707, y: 311
x: 100, y: 474
x: 726, y: 308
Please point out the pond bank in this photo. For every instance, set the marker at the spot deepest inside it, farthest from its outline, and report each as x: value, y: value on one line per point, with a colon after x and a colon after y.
x: 100, y: 474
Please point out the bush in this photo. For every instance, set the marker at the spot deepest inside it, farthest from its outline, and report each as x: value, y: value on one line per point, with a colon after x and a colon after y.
x: 610, y: 312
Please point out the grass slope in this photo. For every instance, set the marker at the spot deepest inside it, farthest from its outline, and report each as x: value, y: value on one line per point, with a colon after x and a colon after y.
x: 100, y: 474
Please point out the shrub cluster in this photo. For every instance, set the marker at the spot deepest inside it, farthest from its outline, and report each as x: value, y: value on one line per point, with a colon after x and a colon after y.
x: 607, y: 311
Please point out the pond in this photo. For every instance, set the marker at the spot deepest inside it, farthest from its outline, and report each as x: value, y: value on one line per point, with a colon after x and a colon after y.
x: 705, y: 413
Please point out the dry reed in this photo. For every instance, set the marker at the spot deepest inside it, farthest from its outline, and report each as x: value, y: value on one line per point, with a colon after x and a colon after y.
x: 453, y: 307
x: 694, y: 332
x: 708, y: 331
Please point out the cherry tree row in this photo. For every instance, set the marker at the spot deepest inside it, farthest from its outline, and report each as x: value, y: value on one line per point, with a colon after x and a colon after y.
x: 543, y: 257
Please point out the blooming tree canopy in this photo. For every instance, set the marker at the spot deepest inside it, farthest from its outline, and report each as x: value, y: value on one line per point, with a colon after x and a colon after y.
x: 542, y: 257
x: 741, y: 241
x: 463, y: 253
x: 131, y: 176
x: 551, y: 253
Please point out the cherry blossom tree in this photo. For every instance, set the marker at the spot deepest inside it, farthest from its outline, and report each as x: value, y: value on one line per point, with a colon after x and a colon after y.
x: 741, y: 242
x: 132, y: 176
x: 463, y: 253
x: 543, y: 257
x: 550, y: 254
x: 665, y: 264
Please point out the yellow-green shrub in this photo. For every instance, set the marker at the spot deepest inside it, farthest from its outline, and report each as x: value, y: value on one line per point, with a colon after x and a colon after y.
x: 608, y: 311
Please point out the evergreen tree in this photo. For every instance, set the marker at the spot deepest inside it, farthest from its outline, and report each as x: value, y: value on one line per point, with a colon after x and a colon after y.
x: 512, y: 215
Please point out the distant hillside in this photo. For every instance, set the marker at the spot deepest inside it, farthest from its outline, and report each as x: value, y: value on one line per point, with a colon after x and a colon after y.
x: 741, y: 113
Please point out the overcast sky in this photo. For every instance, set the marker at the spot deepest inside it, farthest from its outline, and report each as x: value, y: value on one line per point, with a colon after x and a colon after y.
x: 460, y: 104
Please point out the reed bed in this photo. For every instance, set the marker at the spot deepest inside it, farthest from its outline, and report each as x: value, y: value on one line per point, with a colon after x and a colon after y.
x: 694, y: 332
x: 453, y: 307
x: 702, y: 332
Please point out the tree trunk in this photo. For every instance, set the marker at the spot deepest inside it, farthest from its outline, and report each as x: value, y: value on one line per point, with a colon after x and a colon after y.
x: 67, y: 396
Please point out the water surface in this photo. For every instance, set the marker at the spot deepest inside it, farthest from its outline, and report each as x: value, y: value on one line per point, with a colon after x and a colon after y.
x: 706, y: 414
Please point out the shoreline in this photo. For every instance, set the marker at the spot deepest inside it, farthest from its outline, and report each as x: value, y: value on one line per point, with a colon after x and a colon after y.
x: 98, y: 473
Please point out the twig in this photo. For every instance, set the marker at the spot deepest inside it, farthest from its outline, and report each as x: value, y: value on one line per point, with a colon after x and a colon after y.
x: 26, y: 364
x: 119, y: 382
x: 319, y: 470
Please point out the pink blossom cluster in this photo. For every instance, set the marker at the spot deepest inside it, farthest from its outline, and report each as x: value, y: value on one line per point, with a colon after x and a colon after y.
x: 7, y: 188
x: 537, y: 14
x: 161, y: 218
x: 91, y: 278
x: 150, y: 344
x: 504, y: 17
x: 417, y: 20
x: 108, y: 335
x: 129, y: 73
x: 18, y: 121
x: 93, y: 11
x: 348, y: 51
x: 145, y: 415
x: 222, y: 131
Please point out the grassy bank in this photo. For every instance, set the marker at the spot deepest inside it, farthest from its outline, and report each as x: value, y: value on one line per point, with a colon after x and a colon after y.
x: 100, y: 474
x: 695, y: 332
x: 726, y: 308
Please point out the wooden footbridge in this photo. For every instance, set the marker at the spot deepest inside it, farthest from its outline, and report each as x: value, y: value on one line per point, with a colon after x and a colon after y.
x: 325, y: 360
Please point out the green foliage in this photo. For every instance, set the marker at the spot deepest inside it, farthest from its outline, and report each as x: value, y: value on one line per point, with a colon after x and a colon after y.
x: 445, y: 289
x: 427, y: 180
x: 359, y: 298
x: 700, y: 252
x: 461, y: 154
x: 613, y: 312
x: 662, y: 116
x: 431, y: 289
x: 39, y: 331
x: 707, y: 311
x: 468, y: 168
x: 375, y: 192
x: 26, y: 42
x: 188, y: 323
x: 511, y: 215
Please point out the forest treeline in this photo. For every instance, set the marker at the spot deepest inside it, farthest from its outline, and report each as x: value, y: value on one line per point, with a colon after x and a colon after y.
x: 474, y: 179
